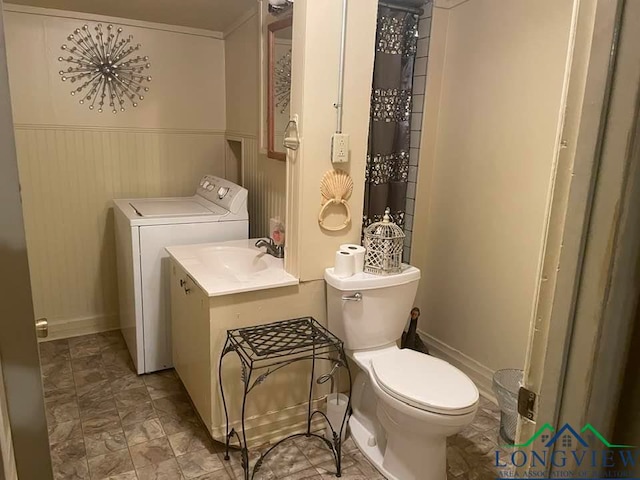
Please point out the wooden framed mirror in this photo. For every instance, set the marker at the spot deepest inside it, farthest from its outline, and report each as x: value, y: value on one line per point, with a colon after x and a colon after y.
x: 278, y: 85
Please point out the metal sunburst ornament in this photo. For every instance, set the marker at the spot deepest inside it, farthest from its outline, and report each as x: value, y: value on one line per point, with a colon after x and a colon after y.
x: 282, y: 74
x: 105, y: 66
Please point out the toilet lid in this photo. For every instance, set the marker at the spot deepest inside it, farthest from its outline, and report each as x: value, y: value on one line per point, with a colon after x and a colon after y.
x: 425, y: 382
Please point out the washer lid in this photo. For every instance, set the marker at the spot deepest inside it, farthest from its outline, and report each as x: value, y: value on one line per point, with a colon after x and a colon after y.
x: 425, y: 382
x: 173, y: 208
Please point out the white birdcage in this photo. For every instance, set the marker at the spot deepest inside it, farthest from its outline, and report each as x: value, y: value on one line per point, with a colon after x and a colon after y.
x: 384, y: 242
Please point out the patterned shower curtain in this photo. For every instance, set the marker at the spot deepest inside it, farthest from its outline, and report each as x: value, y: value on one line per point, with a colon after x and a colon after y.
x: 390, y: 124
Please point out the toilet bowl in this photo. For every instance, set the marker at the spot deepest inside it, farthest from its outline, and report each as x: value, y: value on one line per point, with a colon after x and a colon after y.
x: 405, y: 403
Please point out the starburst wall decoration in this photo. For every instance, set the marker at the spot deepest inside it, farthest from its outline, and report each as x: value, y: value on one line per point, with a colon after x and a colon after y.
x: 282, y: 74
x: 104, y: 65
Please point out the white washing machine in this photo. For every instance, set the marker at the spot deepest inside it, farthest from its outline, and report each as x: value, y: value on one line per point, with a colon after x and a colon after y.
x: 144, y: 227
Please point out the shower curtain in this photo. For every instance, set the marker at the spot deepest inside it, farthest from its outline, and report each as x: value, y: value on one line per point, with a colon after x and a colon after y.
x: 390, y: 124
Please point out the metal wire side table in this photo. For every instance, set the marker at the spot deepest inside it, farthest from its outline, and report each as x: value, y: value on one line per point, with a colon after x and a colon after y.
x: 274, y: 346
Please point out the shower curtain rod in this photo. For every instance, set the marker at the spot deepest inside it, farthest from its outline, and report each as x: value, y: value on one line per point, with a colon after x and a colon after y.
x: 395, y: 6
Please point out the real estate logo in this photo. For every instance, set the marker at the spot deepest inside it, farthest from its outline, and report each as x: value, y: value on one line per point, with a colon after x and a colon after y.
x: 570, y: 453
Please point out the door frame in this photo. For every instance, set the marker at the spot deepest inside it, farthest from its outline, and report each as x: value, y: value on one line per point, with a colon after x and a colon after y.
x: 591, y: 240
x: 579, y: 144
x: 609, y: 287
x: 18, y: 344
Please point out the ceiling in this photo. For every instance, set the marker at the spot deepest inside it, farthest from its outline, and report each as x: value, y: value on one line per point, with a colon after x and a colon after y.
x: 215, y: 15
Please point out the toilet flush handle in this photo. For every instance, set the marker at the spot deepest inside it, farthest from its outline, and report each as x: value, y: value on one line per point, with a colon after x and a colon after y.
x: 356, y: 297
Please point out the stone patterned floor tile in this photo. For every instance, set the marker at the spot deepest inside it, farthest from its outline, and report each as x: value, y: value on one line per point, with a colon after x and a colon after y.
x: 95, y: 407
x: 126, y: 382
x: 308, y: 474
x: 106, y: 442
x: 83, y: 346
x: 54, y: 351
x: 65, y: 431
x: 76, y: 470
x: 132, y: 397
x: 90, y: 362
x: 124, y: 476
x: 68, y: 451
x: 60, y: 411
x: 315, y: 450
x: 69, y: 393
x: 191, y: 441
x: 105, y: 420
x: 57, y: 375
x: 167, y: 470
x: 484, y: 421
x: 143, y: 432
x: 103, y: 423
x: 176, y: 406
x: 88, y: 377
x: 151, y: 452
x: 116, y: 371
x: 160, y: 386
x: 174, y: 425
x: 234, y: 465
x: 137, y: 413
x: 111, y: 341
x: 110, y: 465
x: 287, y: 459
x: 223, y: 475
x: 364, y: 466
x: 197, y: 464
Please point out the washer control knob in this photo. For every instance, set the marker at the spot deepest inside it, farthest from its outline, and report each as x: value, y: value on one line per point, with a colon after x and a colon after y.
x: 222, y: 191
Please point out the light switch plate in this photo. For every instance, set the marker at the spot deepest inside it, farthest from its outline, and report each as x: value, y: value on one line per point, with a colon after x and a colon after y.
x: 340, y: 148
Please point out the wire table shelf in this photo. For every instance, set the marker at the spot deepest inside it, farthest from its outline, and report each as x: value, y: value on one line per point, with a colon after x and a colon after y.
x: 274, y: 346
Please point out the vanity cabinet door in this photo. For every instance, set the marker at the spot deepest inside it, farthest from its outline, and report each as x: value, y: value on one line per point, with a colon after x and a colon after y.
x: 191, y: 339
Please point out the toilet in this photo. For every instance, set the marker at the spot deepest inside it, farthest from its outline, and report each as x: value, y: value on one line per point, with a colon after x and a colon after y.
x: 405, y: 403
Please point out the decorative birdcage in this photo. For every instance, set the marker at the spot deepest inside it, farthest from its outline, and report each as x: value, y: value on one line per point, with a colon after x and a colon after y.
x: 384, y: 242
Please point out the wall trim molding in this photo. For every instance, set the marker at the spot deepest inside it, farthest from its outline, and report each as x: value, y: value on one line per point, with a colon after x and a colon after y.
x: 244, y: 18
x: 481, y: 375
x: 96, y: 128
x: 75, y: 327
x: 236, y: 133
x: 90, y: 17
x: 448, y: 4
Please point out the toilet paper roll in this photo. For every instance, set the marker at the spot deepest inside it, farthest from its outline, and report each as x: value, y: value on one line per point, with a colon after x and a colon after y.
x: 345, y: 264
x: 358, y: 251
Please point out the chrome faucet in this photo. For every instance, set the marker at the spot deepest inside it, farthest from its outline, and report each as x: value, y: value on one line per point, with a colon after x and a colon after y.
x: 272, y: 249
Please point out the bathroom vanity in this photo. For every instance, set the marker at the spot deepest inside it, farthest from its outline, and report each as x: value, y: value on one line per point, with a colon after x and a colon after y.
x: 216, y: 287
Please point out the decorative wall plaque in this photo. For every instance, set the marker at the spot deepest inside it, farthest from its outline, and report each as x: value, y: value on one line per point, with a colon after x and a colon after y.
x: 105, y: 68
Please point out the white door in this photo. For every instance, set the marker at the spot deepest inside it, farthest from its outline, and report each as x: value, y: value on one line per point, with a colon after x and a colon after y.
x: 587, y: 294
x: 24, y: 446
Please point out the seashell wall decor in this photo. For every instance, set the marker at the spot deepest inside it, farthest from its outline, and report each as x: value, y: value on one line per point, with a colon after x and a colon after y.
x: 336, y: 188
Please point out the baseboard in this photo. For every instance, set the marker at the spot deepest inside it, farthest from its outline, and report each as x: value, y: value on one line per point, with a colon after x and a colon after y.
x: 481, y: 375
x: 274, y: 426
x: 75, y: 327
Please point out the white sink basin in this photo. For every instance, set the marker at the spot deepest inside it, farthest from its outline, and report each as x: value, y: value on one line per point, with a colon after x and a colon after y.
x: 233, y: 261
x: 231, y: 267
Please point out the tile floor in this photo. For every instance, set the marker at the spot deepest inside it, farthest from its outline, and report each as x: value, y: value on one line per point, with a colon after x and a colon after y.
x: 106, y: 422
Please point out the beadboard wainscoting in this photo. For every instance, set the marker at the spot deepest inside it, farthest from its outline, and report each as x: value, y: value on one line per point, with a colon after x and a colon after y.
x: 69, y: 175
x: 265, y: 179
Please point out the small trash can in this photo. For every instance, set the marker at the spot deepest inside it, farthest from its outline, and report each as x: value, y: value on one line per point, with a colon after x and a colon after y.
x: 506, y: 384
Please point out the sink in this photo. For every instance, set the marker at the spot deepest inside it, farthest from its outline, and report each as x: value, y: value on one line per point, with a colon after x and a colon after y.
x: 233, y: 261
x: 231, y: 267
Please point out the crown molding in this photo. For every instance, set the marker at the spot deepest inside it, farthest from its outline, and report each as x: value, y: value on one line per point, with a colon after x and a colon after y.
x: 245, y: 17
x: 448, y: 4
x: 90, y: 17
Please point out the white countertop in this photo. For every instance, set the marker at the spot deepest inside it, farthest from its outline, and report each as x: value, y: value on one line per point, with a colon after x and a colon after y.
x: 237, y: 266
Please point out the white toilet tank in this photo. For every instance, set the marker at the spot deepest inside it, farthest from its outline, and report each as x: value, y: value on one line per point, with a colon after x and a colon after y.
x: 368, y: 311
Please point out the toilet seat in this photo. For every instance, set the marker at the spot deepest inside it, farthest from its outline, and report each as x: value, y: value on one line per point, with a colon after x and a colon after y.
x: 425, y: 382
